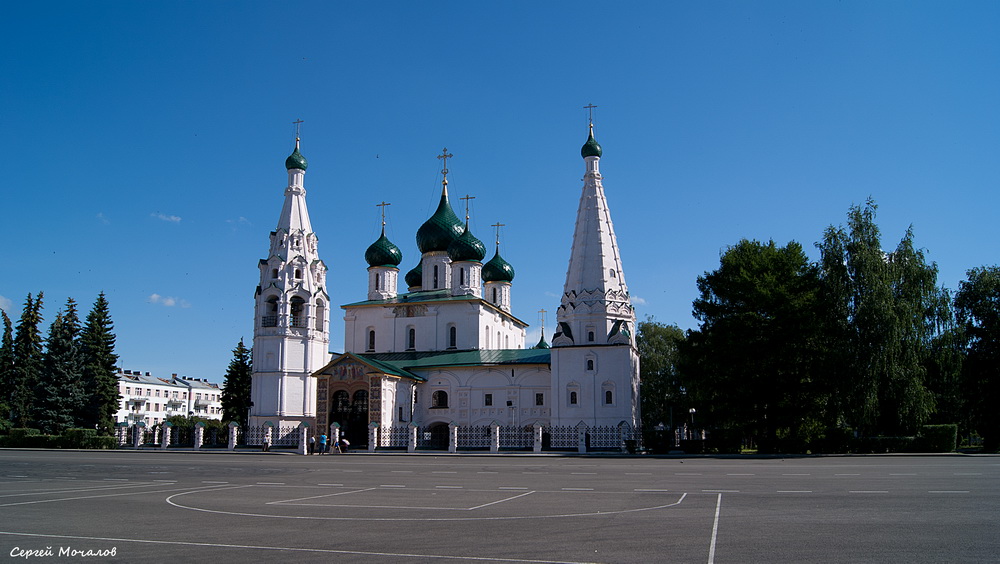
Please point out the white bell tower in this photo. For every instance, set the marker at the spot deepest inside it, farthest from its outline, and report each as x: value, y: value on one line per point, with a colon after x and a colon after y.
x: 292, y: 315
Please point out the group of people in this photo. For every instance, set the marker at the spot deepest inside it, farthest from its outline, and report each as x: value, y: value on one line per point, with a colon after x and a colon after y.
x: 324, y: 447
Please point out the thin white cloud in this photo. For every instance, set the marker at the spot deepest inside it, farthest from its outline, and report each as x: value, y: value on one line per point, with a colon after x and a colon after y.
x: 168, y: 301
x: 6, y: 304
x: 239, y: 221
x: 103, y: 218
x: 636, y: 300
x: 165, y: 217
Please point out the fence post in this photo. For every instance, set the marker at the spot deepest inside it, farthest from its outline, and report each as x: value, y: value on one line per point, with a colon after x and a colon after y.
x: 494, y: 437
x: 334, y: 436
x: 233, y: 426
x: 137, y: 432
x: 581, y: 430
x: 452, y: 437
x: 536, y: 430
x: 372, y: 436
x: 165, y: 434
x: 268, y: 435
x: 303, y: 438
x: 411, y: 443
x: 199, y: 434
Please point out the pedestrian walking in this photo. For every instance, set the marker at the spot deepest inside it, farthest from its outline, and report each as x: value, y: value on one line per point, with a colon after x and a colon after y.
x: 312, y: 444
x: 322, y: 443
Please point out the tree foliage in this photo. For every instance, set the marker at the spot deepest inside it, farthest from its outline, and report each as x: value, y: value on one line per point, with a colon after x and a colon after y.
x: 27, y: 365
x: 977, y: 305
x: 98, y: 360
x: 6, y: 371
x: 663, y: 393
x: 59, y: 394
x: 886, y: 311
x: 756, y: 363
x: 236, y: 388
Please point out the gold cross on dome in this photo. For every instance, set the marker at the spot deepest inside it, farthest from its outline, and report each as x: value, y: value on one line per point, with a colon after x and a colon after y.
x: 498, y: 225
x: 298, y: 124
x: 444, y: 156
x: 382, y: 206
x: 590, y: 108
x: 467, y: 199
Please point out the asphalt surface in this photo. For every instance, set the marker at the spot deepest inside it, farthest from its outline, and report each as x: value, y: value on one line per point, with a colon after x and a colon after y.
x: 175, y: 506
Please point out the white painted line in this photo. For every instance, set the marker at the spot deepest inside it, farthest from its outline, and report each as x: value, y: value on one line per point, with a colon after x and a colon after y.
x: 948, y: 491
x: 638, y: 473
x: 211, y: 482
x: 796, y: 474
x: 847, y: 474
x: 720, y: 491
x: 740, y: 474
x: 500, y: 501
x: 17, y: 476
x: 402, y: 471
x: 448, y: 487
x: 122, y: 480
x: 291, y: 501
x: 908, y: 474
x: 444, y: 472
x: 584, y: 473
x: 687, y: 473
x: 577, y: 489
x: 869, y: 491
x: 794, y: 491
x: 270, y: 483
x: 391, y: 486
x: 648, y: 490
x: 331, y: 485
x: 968, y: 474
x: 354, y: 471
x: 511, y: 488
x: 487, y: 472
x: 715, y: 531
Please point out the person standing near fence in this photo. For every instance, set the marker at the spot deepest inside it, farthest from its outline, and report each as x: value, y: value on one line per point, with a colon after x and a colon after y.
x: 312, y: 444
x: 322, y: 443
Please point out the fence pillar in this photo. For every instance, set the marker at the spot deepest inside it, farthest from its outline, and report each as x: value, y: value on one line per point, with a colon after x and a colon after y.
x: 536, y: 431
x: 165, y: 434
x: 233, y: 426
x: 411, y: 442
x: 581, y: 431
x: 494, y: 437
x: 303, y: 447
x: 452, y: 437
x: 372, y: 436
x: 137, y: 432
x: 199, y: 434
x: 268, y: 435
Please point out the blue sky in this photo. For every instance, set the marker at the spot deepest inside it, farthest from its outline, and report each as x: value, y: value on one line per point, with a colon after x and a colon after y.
x: 142, y: 144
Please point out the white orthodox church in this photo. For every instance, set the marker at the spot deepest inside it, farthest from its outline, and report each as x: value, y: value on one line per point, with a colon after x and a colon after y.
x: 448, y: 349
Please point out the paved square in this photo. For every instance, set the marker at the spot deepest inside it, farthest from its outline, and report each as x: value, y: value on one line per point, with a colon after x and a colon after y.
x: 153, y: 506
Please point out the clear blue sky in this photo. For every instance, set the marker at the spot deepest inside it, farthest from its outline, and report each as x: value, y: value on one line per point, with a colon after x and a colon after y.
x: 142, y: 144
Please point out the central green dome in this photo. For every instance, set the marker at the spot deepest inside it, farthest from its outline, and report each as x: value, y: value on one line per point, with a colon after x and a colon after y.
x: 296, y: 160
x: 383, y: 253
x: 591, y: 148
x: 441, y: 230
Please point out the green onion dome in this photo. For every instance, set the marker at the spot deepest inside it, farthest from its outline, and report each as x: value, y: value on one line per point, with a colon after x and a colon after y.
x: 467, y: 247
x: 441, y: 230
x: 296, y: 160
x: 498, y: 270
x: 383, y: 253
x: 541, y: 343
x: 415, y: 277
x: 591, y: 148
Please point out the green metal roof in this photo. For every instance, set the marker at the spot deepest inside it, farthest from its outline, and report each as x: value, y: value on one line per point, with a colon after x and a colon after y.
x: 383, y: 253
x: 430, y: 296
x: 408, y: 361
x: 498, y: 269
x: 591, y: 148
x: 296, y: 160
x: 441, y: 229
x: 467, y: 247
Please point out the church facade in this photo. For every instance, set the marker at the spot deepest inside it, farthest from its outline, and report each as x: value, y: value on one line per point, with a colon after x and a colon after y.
x: 446, y: 350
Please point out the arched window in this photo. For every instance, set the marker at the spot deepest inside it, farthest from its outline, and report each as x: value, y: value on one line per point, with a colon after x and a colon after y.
x: 461, y: 276
x: 487, y: 336
x: 590, y: 336
x: 371, y: 339
x: 298, y: 273
x: 270, y: 318
x: 609, y: 397
x: 439, y: 399
x: 435, y: 276
x: 453, y: 337
x: 377, y: 279
x: 320, y: 314
x: 274, y: 273
x: 297, y: 305
x: 411, y: 339
x: 572, y: 398
x: 590, y: 364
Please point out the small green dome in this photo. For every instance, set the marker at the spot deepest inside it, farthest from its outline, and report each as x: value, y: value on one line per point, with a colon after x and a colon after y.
x: 541, y: 343
x: 467, y: 247
x: 591, y: 148
x: 441, y: 230
x: 296, y: 160
x: 383, y: 253
x: 498, y: 270
x: 415, y: 277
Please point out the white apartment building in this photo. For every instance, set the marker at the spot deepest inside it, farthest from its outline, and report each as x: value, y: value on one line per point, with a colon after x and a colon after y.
x: 151, y: 400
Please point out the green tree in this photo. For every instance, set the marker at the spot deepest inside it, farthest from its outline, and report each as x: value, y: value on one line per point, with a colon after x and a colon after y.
x: 756, y: 363
x: 97, y: 368
x: 977, y: 305
x: 59, y: 393
x: 27, y: 367
x: 6, y: 371
x: 663, y: 393
x: 236, y: 387
x: 886, y: 309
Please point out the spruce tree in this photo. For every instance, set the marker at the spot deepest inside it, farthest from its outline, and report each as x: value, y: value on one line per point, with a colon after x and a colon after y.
x: 97, y: 368
x: 27, y: 366
x: 59, y: 394
x: 6, y: 371
x: 236, y: 388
